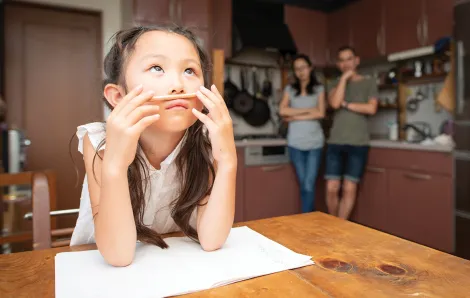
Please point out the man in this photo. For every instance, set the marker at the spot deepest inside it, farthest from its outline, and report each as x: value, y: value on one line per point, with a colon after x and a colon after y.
x: 354, y: 98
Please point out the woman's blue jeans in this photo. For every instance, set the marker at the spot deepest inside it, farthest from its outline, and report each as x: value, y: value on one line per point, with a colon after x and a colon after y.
x: 306, y: 164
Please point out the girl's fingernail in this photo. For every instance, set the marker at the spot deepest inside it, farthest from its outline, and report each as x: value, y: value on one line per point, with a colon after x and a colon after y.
x: 139, y: 87
x: 203, y: 88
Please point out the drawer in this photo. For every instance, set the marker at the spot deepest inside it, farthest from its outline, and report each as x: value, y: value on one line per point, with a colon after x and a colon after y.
x: 412, y: 160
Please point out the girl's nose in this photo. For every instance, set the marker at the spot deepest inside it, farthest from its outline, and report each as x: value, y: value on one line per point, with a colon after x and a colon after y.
x: 176, y: 85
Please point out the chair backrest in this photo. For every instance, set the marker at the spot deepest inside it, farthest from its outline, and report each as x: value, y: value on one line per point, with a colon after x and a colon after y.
x: 43, y: 196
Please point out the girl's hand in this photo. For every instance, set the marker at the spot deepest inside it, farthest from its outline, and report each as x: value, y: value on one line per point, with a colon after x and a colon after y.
x: 125, y: 125
x: 219, y: 125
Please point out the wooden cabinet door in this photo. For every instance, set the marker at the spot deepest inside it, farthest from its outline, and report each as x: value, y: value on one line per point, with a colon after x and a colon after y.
x: 367, y: 28
x: 239, y: 186
x: 153, y: 11
x: 339, y: 32
x: 270, y: 191
x: 192, y: 13
x: 309, y: 31
x: 420, y: 208
x: 371, y: 204
x: 221, y: 29
x: 438, y: 15
x: 402, y: 21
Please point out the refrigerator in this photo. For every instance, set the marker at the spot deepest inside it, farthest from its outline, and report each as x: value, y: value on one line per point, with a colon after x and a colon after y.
x: 462, y: 128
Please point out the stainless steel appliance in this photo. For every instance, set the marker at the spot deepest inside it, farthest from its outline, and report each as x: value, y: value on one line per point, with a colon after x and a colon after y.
x: 462, y: 128
x: 17, y: 148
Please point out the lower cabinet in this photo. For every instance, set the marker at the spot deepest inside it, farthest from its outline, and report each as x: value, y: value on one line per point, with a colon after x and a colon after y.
x: 408, y: 194
x: 270, y: 191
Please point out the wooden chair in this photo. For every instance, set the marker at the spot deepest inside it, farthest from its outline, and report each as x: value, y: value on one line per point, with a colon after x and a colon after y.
x: 43, y: 195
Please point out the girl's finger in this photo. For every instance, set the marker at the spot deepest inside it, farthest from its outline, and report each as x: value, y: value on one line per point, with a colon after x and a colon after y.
x: 136, y: 102
x: 204, y: 119
x: 128, y: 97
x: 209, y: 105
x: 141, y: 112
x: 145, y: 122
x: 224, y: 110
x: 216, y: 100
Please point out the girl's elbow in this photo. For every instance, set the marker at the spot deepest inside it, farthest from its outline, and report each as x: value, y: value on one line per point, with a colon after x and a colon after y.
x: 119, y: 259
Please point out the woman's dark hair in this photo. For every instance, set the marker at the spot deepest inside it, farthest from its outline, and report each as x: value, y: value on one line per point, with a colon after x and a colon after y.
x: 313, y: 79
x: 195, y: 169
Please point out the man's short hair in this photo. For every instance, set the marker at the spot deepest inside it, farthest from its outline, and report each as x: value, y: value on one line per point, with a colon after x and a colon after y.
x: 346, y: 48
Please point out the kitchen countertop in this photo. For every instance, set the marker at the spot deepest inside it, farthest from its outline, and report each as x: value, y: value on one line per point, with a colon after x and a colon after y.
x: 261, y: 142
x: 408, y: 146
x: 381, y: 143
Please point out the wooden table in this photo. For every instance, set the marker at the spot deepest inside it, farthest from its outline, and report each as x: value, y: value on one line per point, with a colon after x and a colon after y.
x: 351, y: 261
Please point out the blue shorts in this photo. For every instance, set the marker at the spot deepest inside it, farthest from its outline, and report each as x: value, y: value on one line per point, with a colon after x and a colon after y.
x: 345, y: 161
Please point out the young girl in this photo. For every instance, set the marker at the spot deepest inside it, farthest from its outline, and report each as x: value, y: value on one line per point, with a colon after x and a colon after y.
x: 303, y: 105
x: 167, y: 166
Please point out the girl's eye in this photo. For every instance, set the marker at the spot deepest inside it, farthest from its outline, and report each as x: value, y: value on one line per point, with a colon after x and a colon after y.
x: 156, y: 69
x: 189, y: 71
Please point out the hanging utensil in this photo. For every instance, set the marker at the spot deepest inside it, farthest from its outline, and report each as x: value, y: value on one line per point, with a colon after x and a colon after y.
x: 260, y: 113
x: 243, y: 102
x: 230, y: 89
x: 267, y: 85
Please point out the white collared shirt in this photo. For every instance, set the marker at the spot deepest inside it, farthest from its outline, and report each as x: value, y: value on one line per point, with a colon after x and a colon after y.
x: 163, y: 189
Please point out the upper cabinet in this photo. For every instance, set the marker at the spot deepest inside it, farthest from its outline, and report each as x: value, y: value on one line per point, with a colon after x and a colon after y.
x: 221, y: 31
x: 380, y: 27
x: 403, y: 21
x: 438, y: 19
x: 309, y: 31
x: 339, y: 31
x: 154, y: 11
x: 367, y: 28
x: 189, y: 13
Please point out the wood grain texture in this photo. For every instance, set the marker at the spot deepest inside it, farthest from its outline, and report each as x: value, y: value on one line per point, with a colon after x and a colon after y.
x: 351, y: 261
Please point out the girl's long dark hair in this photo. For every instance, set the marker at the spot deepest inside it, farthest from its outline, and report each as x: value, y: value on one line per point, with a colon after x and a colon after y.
x: 195, y: 169
x: 313, y: 79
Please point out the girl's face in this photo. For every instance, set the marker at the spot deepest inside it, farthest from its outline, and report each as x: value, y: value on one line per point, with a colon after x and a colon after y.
x: 168, y: 64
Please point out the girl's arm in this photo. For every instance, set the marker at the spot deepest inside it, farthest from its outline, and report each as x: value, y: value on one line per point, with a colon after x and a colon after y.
x: 215, y: 217
x: 115, y: 231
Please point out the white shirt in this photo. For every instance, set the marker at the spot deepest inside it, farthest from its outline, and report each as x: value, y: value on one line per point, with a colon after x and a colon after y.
x: 163, y: 188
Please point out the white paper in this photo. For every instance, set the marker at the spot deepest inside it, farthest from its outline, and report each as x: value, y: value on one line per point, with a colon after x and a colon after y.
x: 182, y: 268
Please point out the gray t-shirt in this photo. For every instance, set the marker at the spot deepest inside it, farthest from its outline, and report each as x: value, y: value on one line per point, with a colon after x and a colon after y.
x: 351, y: 128
x: 304, y: 134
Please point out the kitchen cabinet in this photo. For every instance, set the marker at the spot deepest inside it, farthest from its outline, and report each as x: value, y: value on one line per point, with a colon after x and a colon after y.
x: 367, y: 28
x: 403, y: 25
x: 339, y: 32
x: 420, y: 208
x: 222, y: 26
x: 408, y: 193
x: 370, y: 209
x: 153, y: 11
x: 270, y: 191
x: 438, y: 18
x: 195, y: 15
x: 309, y: 31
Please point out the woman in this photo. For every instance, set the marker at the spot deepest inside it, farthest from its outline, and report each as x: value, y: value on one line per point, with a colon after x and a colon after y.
x: 302, y: 105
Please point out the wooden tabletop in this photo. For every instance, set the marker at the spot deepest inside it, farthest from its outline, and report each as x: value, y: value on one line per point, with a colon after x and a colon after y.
x: 350, y: 261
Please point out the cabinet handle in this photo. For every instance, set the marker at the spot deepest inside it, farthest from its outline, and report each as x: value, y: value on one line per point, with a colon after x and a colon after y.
x: 180, y: 12
x: 171, y: 10
x: 273, y: 168
x: 377, y: 41
x: 419, y: 32
x: 425, y: 29
x: 375, y: 170
x: 417, y: 176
